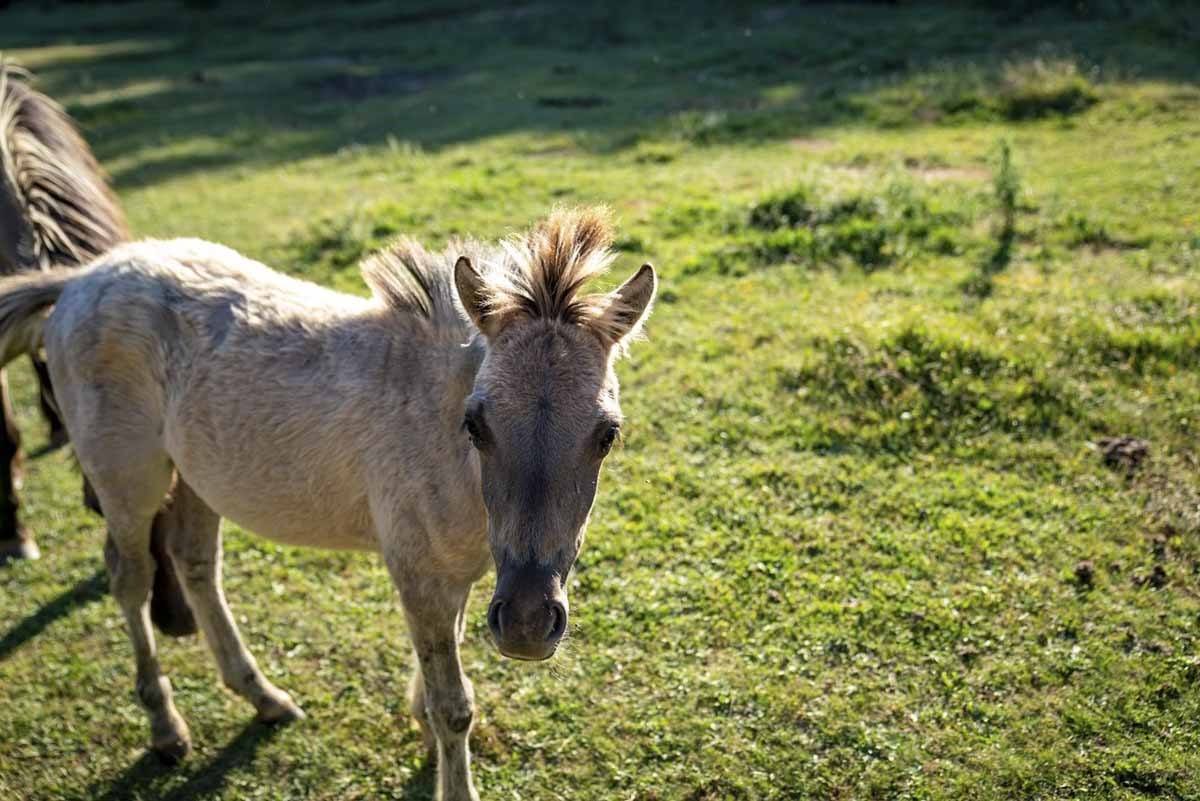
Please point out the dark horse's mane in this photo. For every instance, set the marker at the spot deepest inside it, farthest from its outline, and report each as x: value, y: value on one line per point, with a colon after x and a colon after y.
x: 56, y: 208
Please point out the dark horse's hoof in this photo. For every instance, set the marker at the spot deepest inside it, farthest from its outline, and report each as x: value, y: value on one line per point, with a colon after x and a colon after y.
x: 18, y: 548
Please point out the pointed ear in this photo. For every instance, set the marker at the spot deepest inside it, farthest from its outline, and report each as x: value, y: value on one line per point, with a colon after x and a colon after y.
x: 627, y: 307
x: 471, y: 294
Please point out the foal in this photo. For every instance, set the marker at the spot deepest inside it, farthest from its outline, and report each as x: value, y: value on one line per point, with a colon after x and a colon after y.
x: 456, y: 419
x: 55, y: 211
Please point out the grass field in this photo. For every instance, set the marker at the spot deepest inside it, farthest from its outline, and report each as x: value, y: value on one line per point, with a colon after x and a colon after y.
x: 859, y: 541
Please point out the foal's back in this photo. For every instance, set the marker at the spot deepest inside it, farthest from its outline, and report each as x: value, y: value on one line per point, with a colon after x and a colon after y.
x: 247, y: 381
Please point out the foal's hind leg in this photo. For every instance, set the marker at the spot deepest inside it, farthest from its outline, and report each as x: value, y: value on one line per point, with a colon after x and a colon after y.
x: 194, y: 541
x: 130, y: 495
x: 15, y: 541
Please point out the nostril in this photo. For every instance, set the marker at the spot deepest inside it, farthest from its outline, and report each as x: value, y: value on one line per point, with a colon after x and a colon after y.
x: 493, y: 617
x: 558, y: 621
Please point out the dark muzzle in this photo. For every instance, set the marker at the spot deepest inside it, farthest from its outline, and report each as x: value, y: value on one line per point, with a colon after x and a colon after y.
x: 528, y: 613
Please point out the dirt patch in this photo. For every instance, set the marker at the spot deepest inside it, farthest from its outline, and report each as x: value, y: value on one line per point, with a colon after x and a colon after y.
x: 1085, y: 574
x: 551, y: 151
x: 951, y: 173
x: 1124, y: 453
x: 811, y: 145
x: 1156, y: 578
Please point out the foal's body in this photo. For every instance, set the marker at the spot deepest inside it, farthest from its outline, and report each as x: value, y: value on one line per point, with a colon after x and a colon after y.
x: 307, y: 416
x: 268, y: 378
x: 316, y: 418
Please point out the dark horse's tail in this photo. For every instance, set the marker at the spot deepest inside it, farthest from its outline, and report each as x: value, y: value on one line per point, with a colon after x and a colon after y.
x: 57, y: 211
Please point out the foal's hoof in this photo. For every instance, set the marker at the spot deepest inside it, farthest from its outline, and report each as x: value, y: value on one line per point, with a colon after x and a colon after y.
x: 18, y: 548
x: 172, y: 750
x: 280, y: 710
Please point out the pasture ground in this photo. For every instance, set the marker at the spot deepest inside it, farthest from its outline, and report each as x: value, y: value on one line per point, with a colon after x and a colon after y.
x: 859, y: 541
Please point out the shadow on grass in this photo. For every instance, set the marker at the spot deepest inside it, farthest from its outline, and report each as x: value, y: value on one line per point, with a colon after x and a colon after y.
x: 140, y: 779
x: 981, y: 284
x: 175, y: 89
x: 422, y: 786
x: 87, y: 591
x: 143, y: 779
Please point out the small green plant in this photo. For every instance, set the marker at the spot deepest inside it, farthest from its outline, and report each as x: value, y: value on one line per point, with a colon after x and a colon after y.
x: 1006, y: 185
x: 1006, y: 188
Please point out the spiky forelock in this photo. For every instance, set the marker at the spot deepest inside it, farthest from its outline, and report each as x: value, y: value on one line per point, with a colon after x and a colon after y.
x: 543, y: 271
x: 535, y: 276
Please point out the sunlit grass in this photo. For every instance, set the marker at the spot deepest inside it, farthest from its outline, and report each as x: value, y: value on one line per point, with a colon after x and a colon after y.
x: 837, y: 553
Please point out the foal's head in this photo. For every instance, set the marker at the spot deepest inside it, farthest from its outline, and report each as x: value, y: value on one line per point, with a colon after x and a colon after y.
x: 544, y: 411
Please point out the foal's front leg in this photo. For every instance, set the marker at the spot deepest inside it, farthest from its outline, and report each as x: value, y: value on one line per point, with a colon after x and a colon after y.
x: 433, y: 609
x: 416, y: 686
x: 193, y: 535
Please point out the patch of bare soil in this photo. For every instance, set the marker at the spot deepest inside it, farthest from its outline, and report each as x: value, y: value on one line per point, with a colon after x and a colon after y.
x: 1124, y: 453
x: 952, y: 173
x: 811, y: 145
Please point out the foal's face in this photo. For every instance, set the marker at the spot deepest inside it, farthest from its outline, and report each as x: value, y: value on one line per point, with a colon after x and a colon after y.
x: 543, y: 416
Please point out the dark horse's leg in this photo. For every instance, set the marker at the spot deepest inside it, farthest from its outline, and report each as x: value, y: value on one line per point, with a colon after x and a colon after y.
x: 15, y: 541
x: 58, y: 432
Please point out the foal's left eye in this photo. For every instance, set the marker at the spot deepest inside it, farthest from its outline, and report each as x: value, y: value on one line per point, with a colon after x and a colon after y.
x: 471, y: 426
x: 607, y: 438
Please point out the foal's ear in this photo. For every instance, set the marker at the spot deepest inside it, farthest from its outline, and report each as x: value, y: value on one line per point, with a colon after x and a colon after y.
x: 625, y: 309
x: 472, y: 295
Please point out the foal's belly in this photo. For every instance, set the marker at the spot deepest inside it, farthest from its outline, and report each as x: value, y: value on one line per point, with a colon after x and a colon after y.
x: 295, y: 522
x: 276, y: 495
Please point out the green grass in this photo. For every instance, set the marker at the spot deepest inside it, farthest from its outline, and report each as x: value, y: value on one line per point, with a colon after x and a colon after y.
x: 837, y: 555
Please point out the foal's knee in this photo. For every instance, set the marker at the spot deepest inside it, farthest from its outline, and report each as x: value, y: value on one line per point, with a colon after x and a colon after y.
x: 452, y: 717
x: 458, y: 720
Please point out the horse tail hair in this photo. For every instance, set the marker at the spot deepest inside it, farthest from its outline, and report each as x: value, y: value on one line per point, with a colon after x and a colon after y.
x: 24, y: 301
